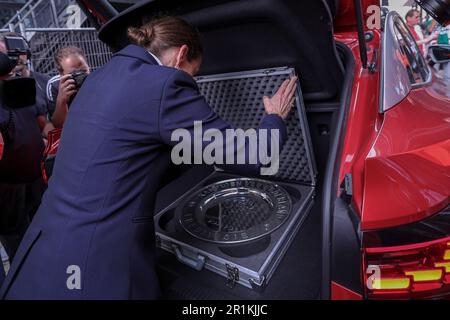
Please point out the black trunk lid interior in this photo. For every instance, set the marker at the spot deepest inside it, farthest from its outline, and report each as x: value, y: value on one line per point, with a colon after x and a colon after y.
x: 240, y: 35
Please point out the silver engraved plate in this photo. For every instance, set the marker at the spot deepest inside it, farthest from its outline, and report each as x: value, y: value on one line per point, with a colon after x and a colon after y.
x: 235, y: 210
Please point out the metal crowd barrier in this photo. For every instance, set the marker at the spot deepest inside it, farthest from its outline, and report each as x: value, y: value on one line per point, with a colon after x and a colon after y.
x: 44, y: 43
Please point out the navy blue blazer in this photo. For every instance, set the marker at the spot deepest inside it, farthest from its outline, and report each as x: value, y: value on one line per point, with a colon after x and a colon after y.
x: 93, y: 235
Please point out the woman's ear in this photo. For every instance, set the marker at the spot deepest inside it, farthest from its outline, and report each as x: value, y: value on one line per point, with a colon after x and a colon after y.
x: 182, y: 56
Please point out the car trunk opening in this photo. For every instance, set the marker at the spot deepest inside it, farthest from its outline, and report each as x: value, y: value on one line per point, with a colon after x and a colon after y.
x: 239, y: 36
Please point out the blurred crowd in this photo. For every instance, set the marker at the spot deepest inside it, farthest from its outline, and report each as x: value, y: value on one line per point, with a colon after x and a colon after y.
x: 33, y: 106
x: 427, y: 32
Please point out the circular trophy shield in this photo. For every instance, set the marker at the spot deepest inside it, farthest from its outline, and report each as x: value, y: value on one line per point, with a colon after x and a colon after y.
x: 235, y: 211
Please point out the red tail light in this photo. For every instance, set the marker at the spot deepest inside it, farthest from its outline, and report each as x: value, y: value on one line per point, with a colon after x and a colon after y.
x: 410, y: 271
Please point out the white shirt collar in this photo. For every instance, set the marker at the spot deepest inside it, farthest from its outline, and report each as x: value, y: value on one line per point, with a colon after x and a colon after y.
x: 156, y: 58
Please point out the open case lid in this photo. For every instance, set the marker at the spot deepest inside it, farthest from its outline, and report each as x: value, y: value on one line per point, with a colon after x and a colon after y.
x: 252, y: 34
x: 238, y: 99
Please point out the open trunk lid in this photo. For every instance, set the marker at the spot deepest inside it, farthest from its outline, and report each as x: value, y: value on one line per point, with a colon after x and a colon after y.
x: 241, y: 35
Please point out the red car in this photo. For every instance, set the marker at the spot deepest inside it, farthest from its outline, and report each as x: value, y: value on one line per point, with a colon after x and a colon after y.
x: 379, y: 124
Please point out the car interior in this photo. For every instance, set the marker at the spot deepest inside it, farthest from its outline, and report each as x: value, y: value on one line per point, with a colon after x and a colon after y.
x: 240, y: 38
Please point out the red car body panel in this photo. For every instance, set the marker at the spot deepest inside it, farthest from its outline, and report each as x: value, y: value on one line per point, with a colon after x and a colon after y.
x: 339, y: 292
x: 95, y: 13
x: 399, y: 161
x: 50, y: 150
x: 407, y: 171
x: 363, y: 120
x: 346, y: 19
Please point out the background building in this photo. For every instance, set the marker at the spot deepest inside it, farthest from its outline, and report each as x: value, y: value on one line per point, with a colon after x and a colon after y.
x: 47, y: 13
x: 401, y: 6
x: 8, y: 8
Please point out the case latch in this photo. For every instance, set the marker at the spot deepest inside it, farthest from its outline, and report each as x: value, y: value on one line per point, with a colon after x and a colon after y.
x: 233, y: 276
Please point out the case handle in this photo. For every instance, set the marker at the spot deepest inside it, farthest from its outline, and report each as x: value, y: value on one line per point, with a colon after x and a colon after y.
x: 195, y: 264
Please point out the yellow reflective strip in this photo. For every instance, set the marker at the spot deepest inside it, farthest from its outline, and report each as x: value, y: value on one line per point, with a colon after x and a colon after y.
x: 447, y: 254
x: 445, y: 265
x: 390, y: 283
x: 425, y: 275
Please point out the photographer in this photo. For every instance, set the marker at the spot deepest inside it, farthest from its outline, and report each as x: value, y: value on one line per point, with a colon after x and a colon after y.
x: 21, y: 70
x: 21, y: 186
x: 73, y: 69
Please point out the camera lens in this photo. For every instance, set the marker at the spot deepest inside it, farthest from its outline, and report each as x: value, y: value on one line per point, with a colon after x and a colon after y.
x: 6, y: 65
x: 438, y: 9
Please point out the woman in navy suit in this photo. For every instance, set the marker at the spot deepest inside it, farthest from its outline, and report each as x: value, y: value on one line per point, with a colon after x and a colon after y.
x: 93, y: 237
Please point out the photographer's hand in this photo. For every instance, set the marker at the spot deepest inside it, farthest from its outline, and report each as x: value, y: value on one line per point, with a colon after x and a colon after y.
x: 283, y: 100
x: 67, y: 89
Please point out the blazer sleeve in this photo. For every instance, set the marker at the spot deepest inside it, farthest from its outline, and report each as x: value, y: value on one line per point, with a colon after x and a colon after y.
x: 182, y: 105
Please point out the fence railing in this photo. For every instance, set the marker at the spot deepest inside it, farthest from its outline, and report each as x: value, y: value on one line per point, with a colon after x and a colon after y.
x: 47, y: 14
x: 45, y: 43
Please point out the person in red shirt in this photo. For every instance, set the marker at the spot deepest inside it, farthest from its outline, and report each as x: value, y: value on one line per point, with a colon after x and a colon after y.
x: 412, y: 19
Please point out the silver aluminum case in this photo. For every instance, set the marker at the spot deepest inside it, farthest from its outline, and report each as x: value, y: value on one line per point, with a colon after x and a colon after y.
x: 256, y: 269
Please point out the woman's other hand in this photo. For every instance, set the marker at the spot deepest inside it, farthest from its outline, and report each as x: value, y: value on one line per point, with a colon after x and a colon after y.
x: 283, y: 100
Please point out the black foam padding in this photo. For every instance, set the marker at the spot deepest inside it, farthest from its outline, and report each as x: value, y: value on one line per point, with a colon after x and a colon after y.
x: 238, y: 99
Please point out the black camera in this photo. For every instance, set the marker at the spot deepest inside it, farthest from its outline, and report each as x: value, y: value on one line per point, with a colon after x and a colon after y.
x: 438, y: 9
x: 15, y: 92
x: 78, y: 77
x: 15, y: 48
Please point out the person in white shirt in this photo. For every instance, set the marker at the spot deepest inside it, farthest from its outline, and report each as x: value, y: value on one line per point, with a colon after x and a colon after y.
x: 69, y: 60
